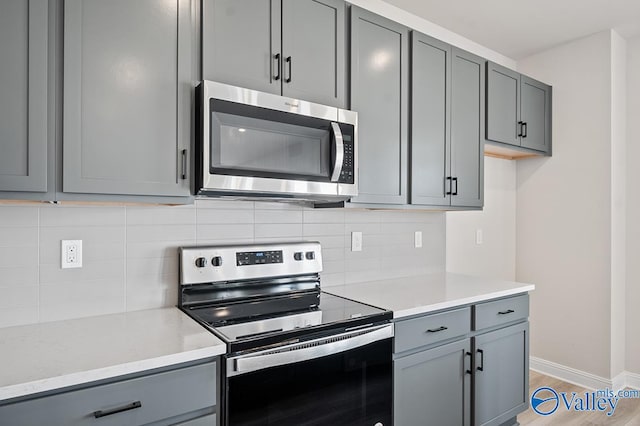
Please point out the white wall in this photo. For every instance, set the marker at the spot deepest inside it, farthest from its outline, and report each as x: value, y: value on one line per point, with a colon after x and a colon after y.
x: 563, y: 231
x: 496, y: 256
x: 130, y: 256
x: 633, y: 208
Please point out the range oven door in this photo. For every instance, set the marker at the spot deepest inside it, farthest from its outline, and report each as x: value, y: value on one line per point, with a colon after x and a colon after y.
x: 260, y: 143
x: 339, y: 380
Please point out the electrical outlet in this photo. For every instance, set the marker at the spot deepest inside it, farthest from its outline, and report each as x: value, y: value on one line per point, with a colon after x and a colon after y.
x: 71, y: 254
x: 417, y: 239
x: 356, y: 241
x: 479, y: 236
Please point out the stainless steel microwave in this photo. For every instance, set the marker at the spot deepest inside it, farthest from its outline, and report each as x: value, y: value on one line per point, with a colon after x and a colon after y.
x: 255, y: 145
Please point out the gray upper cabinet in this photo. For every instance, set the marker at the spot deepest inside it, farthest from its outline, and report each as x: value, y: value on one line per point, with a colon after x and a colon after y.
x: 518, y: 110
x: 23, y: 95
x: 430, y: 121
x: 291, y: 47
x: 432, y: 387
x: 447, y: 125
x: 379, y: 77
x: 241, y: 43
x: 467, y: 129
x: 127, y: 97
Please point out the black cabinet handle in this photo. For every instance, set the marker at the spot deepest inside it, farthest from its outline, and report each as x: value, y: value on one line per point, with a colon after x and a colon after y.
x: 468, y: 371
x: 184, y: 164
x: 508, y: 311
x: 455, y: 180
x: 481, y: 367
x: 524, y: 130
x: 435, y: 330
x: 104, y: 413
x: 519, y: 129
x: 449, y: 178
x: 288, y: 61
x: 277, y: 59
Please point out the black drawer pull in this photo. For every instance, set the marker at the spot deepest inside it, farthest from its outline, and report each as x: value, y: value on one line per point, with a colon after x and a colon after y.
x: 104, y: 413
x: 481, y: 367
x: 435, y: 330
x: 469, y: 354
x: 508, y: 311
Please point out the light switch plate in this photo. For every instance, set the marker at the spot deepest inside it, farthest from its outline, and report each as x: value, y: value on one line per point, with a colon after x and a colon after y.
x: 356, y: 241
x: 71, y: 254
x: 417, y: 239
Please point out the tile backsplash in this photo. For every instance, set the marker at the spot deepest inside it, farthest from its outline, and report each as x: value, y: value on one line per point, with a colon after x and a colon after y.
x: 130, y: 257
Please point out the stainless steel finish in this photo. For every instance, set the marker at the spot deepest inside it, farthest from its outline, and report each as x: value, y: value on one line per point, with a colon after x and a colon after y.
x: 286, y: 323
x: 190, y: 273
x: 312, y: 349
x: 235, y: 185
x: 339, y: 147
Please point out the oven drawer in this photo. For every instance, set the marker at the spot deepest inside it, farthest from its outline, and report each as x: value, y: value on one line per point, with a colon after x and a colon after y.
x: 166, y: 398
x: 499, y: 312
x: 431, y: 329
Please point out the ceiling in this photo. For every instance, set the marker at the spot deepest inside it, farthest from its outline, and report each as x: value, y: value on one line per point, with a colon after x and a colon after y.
x: 519, y: 28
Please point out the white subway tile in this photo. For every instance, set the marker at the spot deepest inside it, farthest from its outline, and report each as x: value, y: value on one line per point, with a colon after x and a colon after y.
x: 98, y: 234
x: 221, y: 203
x: 151, y: 292
x: 81, y: 299
x: 167, y: 249
x: 322, y: 229
x: 19, y: 236
x: 18, y: 256
x: 109, y: 270
x: 69, y: 216
x: 11, y: 216
x: 225, y: 232
x: 278, y: 216
x: 13, y: 316
x: 279, y: 230
x: 18, y: 276
x: 165, y: 215
x: 226, y: 216
x: 323, y: 216
x: 148, y: 233
x: 152, y: 268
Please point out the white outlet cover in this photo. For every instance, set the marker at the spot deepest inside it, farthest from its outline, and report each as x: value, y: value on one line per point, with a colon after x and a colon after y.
x: 356, y: 241
x: 479, y: 236
x: 417, y: 239
x: 71, y: 254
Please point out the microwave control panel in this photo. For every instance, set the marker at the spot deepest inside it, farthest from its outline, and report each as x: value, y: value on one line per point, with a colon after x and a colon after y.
x: 347, y: 174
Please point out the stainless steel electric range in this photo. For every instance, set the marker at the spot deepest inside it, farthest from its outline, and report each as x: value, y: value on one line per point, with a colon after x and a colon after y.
x: 295, y: 355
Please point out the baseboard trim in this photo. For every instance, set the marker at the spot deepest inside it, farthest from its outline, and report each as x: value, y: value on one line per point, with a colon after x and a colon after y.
x: 582, y: 378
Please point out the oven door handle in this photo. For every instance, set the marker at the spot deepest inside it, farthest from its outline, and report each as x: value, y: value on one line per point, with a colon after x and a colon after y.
x: 304, y: 351
x: 339, y: 149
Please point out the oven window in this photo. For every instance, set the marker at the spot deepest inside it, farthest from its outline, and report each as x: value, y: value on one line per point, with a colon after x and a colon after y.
x: 252, y: 141
x: 350, y: 388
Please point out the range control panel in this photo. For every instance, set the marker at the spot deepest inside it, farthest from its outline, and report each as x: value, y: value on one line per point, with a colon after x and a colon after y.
x: 207, y: 264
x: 258, y: 257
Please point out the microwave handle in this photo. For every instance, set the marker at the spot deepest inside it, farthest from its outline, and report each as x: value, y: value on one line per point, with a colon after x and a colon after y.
x: 339, y: 149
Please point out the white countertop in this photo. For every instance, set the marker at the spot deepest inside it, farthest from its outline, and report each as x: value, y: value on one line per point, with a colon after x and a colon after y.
x: 41, y: 357
x: 428, y: 293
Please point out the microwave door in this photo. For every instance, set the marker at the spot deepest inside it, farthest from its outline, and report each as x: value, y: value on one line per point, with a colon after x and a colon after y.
x: 338, y: 149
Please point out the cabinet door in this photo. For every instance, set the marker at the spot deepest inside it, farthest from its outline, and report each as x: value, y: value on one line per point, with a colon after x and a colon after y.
x: 501, y: 389
x: 430, y: 120
x: 379, y: 75
x: 240, y: 41
x: 467, y: 129
x: 23, y: 95
x: 432, y: 387
x: 535, y: 104
x: 127, y: 96
x: 313, y: 50
x: 503, y: 104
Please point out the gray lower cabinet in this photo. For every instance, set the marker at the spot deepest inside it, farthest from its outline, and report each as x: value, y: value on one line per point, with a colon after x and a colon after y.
x: 464, y: 366
x: 432, y: 387
x: 447, y: 125
x: 127, y: 97
x: 518, y: 110
x: 291, y: 47
x: 24, y: 35
x: 501, y: 385
x: 179, y: 396
x: 379, y: 93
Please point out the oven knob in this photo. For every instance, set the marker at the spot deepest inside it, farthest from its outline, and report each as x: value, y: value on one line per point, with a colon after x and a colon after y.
x: 297, y: 255
x: 378, y: 424
x: 310, y: 255
x: 216, y: 261
x: 201, y: 262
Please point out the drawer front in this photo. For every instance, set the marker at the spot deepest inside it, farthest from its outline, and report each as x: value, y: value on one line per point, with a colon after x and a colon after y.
x: 149, y: 399
x: 431, y: 329
x: 503, y: 311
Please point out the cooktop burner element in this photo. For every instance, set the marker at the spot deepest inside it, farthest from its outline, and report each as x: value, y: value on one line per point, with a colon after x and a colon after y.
x: 260, y: 295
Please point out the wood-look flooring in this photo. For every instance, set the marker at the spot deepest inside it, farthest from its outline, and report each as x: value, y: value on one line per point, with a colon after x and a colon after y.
x: 627, y: 412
